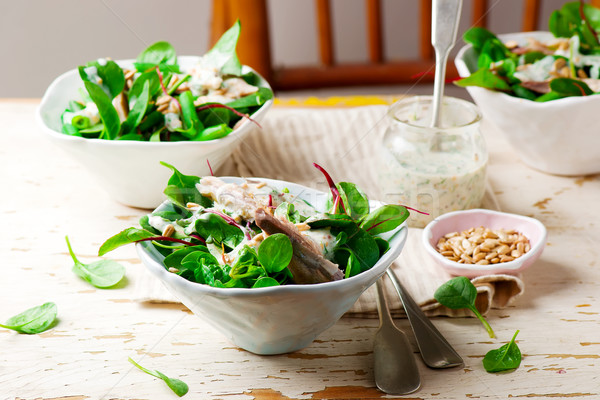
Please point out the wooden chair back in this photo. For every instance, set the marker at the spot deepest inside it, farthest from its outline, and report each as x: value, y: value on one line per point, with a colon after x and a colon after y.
x: 329, y: 73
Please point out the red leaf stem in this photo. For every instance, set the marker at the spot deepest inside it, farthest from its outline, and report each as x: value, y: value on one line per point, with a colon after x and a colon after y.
x: 334, y: 191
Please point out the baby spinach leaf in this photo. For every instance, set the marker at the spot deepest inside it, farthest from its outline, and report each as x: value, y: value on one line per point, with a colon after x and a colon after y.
x: 477, y: 37
x: 34, y: 320
x: 175, y: 259
x: 181, y: 189
x: 127, y: 236
x: 214, y: 132
x: 275, y: 252
x: 484, y: 78
x: 214, y: 227
x: 138, y: 85
x: 265, y: 281
x: 101, y: 274
x: 505, y: 358
x: 179, y: 387
x: 570, y: 87
x: 260, y: 97
x: 108, y: 113
x: 113, y: 79
x: 384, y: 219
x: 355, y: 200
x: 578, y: 19
x: 215, y: 116
x: 136, y: 114
x: 460, y: 293
x: 223, y: 56
x: 159, y: 53
x: 191, y: 123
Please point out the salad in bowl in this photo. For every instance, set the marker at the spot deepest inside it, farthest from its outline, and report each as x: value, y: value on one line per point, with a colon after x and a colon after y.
x: 270, y: 264
x: 158, y: 98
x: 121, y: 118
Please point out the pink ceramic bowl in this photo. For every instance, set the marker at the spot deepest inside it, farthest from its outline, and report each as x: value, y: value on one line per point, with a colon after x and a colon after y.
x: 459, y: 221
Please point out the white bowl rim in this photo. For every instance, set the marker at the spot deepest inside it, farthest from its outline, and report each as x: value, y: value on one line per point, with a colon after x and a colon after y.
x: 510, y: 265
x: 141, y: 248
x: 463, y: 71
x: 57, y: 81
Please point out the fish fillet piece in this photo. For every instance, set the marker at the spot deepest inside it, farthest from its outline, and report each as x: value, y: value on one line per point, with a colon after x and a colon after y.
x: 238, y: 200
x: 308, y: 264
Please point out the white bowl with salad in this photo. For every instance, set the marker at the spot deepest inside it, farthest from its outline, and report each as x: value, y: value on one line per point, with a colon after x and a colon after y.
x: 540, y: 89
x: 121, y: 118
x: 271, y: 264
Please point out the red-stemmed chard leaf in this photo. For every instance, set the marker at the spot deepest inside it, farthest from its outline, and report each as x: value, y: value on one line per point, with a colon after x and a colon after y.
x: 230, y: 221
x: 337, y: 201
x: 210, y: 168
x: 233, y: 110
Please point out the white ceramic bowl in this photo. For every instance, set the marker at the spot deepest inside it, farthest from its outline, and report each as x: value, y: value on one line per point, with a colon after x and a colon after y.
x: 274, y: 320
x: 557, y: 137
x: 130, y: 171
x: 459, y: 221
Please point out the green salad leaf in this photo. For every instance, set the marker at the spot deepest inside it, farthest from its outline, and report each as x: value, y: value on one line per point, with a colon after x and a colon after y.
x: 34, y: 320
x: 525, y: 70
x: 505, y: 358
x: 178, y: 387
x: 460, y: 293
x: 223, y: 56
x: 101, y: 274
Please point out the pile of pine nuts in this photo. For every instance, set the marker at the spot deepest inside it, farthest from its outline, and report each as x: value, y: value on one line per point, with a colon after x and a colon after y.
x: 483, y: 246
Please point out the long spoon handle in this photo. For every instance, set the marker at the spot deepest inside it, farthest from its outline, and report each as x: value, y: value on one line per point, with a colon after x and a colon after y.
x: 435, y: 349
x: 444, y: 27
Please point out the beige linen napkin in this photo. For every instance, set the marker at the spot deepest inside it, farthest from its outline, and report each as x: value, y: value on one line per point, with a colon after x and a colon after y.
x: 344, y: 141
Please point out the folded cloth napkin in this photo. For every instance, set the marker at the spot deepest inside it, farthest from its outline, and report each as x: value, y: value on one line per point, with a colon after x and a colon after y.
x: 344, y: 141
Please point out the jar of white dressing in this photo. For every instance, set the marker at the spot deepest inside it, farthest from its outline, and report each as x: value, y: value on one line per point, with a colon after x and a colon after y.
x: 433, y: 170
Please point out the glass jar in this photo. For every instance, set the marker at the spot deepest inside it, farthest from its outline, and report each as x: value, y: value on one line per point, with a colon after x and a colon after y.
x: 433, y: 170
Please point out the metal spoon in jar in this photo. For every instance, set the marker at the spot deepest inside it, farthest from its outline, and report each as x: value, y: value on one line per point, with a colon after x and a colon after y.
x: 396, y: 370
x: 444, y: 27
x: 435, y: 349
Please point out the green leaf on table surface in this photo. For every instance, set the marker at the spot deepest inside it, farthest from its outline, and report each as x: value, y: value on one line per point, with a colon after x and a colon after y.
x: 275, y: 253
x: 223, y: 56
x: 105, y: 73
x: 570, y: 87
x: 215, y: 228
x: 181, y: 189
x: 101, y: 274
x: 34, y: 320
x: 108, y: 113
x: 179, y: 387
x: 137, y: 112
x: 505, y: 358
x: 484, y: 78
x: 127, y: 236
x: 460, y: 293
x: 384, y: 219
x: 160, y: 54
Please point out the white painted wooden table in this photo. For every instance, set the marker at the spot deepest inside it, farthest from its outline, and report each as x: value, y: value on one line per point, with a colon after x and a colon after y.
x: 46, y: 195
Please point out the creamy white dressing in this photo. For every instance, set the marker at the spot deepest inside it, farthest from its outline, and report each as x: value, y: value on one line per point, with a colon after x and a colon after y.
x: 323, y: 239
x: 90, y: 112
x: 92, y: 74
x: 538, y: 71
x: 173, y: 122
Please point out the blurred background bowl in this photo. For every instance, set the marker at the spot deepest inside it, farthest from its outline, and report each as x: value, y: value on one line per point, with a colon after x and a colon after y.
x: 459, y: 221
x: 278, y: 319
x: 130, y: 171
x: 557, y: 137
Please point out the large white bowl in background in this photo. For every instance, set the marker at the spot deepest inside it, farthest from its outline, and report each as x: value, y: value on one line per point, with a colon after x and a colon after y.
x: 130, y: 171
x: 558, y: 137
x: 274, y: 320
